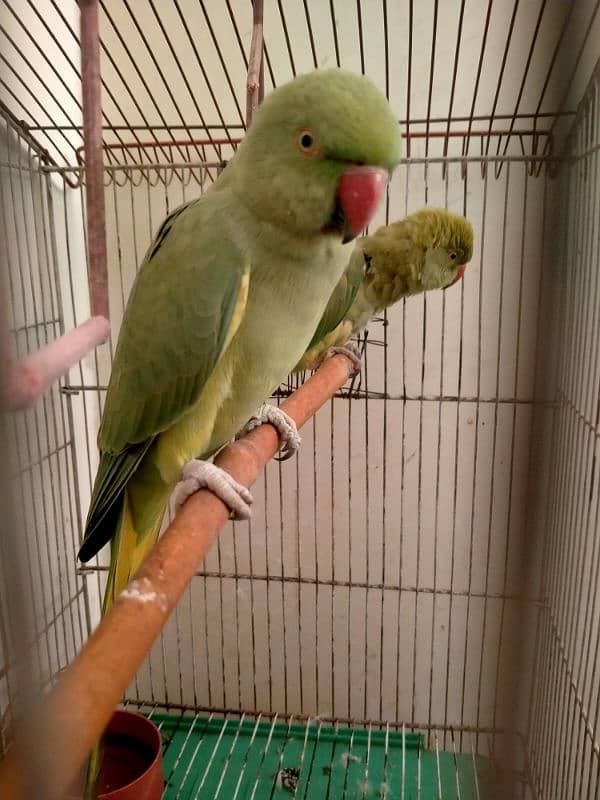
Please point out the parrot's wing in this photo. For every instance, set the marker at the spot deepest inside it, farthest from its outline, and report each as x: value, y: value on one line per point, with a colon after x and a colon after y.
x: 342, y: 296
x: 185, y: 306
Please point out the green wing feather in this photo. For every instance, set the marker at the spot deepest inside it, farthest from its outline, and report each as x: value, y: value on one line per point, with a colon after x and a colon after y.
x: 173, y: 333
x: 342, y: 296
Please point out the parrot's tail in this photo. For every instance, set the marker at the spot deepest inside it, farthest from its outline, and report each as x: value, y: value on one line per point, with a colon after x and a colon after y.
x: 92, y: 779
x: 128, y: 549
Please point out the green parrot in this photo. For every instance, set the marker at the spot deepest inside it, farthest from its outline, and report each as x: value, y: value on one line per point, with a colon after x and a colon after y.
x: 226, y: 300
x: 426, y: 250
x: 225, y: 303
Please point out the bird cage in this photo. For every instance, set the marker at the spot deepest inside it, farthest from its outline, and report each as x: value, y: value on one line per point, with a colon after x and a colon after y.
x: 413, y: 609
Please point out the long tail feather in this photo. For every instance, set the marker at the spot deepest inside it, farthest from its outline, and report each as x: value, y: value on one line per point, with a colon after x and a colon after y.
x: 128, y: 549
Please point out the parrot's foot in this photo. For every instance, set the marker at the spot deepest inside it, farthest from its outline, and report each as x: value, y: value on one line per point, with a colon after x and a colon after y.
x: 205, y: 475
x: 351, y: 350
x: 289, y: 437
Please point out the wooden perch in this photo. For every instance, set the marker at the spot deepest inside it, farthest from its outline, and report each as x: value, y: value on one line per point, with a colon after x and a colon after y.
x: 254, y: 82
x: 73, y: 716
x: 29, y: 378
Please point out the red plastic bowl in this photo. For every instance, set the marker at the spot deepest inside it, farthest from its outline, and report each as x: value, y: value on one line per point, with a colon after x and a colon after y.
x: 132, y: 764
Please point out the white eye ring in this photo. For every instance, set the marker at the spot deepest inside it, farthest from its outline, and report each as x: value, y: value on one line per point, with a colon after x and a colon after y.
x: 306, y: 142
x: 452, y: 256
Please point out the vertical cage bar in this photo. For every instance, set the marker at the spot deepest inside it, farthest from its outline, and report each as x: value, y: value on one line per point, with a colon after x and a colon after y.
x: 254, y: 84
x: 92, y: 137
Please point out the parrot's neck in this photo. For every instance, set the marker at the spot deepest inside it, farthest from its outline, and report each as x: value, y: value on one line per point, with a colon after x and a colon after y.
x: 252, y: 229
x: 305, y: 270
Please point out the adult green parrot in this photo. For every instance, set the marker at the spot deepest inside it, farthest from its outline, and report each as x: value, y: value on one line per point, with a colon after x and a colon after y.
x: 426, y: 250
x: 226, y: 301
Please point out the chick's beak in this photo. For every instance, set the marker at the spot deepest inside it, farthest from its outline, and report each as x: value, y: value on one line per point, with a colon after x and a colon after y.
x: 359, y: 192
x: 459, y: 274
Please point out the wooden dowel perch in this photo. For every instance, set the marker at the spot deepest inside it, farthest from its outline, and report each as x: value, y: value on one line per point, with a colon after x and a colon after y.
x: 75, y: 713
x: 30, y: 377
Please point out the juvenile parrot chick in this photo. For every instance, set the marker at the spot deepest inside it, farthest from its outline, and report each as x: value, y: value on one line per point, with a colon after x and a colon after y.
x: 426, y: 250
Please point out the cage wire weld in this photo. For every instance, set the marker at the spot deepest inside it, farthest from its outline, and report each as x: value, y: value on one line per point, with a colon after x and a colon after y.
x: 413, y: 610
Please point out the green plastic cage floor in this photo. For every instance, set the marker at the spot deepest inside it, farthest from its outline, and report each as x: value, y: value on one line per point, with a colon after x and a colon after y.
x: 231, y: 758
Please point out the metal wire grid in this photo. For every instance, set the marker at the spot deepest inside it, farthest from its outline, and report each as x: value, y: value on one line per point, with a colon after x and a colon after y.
x: 563, y: 723
x: 162, y: 61
x: 338, y: 599
x: 42, y: 475
x: 379, y: 577
x: 197, y: 759
x: 292, y: 615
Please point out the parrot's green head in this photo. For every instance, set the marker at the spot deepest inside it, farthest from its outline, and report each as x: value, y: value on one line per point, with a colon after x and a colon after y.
x: 447, y: 241
x: 318, y: 155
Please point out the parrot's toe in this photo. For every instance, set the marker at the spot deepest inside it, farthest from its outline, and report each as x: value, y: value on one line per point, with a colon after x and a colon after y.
x: 351, y: 350
x: 289, y: 437
x: 206, y: 475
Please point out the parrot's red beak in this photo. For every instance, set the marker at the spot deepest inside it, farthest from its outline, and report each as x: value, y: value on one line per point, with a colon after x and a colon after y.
x: 459, y: 274
x: 358, y: 194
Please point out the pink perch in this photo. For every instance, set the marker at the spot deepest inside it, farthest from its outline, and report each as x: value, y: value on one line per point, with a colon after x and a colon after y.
x: 30, y: 377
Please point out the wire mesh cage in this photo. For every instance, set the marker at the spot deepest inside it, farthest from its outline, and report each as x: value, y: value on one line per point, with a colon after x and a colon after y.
x: 412, y: 610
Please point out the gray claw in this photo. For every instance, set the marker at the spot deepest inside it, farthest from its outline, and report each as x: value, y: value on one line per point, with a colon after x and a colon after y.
x: 351, y: 350
x: 286, y: 428
x: 206, y: 475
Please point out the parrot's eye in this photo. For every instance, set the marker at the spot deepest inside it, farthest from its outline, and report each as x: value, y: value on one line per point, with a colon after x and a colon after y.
x: 452, y: 256
x: 306, y: 142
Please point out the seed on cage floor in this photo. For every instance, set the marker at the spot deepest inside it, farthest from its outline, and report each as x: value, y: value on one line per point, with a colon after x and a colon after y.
x: 320, y: 717
x: 288, y: 777
x: 349, y: 758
